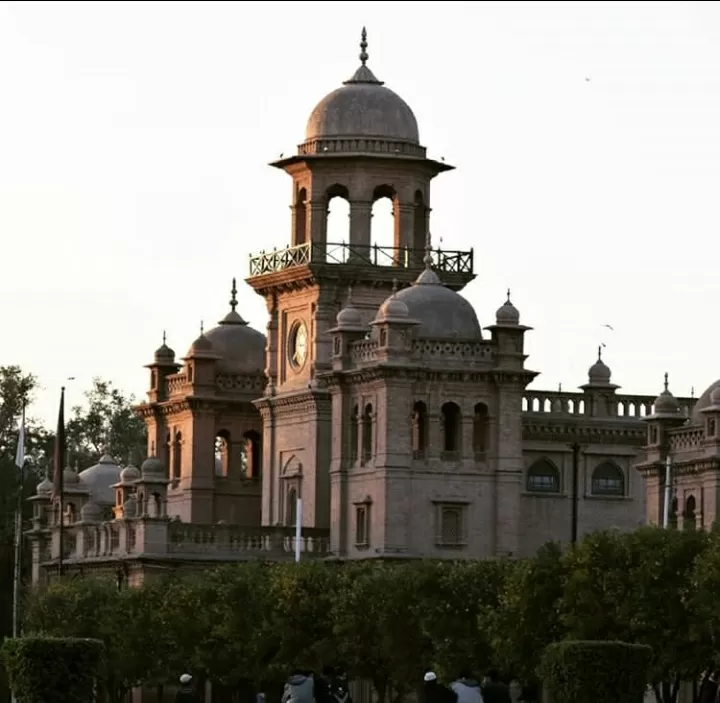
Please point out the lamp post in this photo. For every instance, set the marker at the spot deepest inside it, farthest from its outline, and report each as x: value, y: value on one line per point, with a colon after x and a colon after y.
x: 576, y: 448
x: 668, y: 492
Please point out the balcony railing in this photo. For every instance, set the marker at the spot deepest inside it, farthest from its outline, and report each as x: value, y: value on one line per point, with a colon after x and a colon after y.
x: 444, y: 261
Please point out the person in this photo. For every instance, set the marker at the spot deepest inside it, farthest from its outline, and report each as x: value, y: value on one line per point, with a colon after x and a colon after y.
x: 467, y: 689
x: 332, y: 686
x: 435, y: 692
x: 186, y: 693
x: 299, y: 688
x: 494, y: 690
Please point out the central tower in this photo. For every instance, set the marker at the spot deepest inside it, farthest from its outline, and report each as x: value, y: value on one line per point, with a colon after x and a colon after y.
x: 361, y: 144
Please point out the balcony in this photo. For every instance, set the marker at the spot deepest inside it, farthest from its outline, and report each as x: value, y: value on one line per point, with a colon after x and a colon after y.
x: 326, y: 253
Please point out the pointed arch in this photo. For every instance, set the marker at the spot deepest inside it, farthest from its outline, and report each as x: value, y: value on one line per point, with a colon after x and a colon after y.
x: 383, y: 225
x: 608, y: 479
x: 337, y: 224
x: 300, y: 217
x: 543, y: 477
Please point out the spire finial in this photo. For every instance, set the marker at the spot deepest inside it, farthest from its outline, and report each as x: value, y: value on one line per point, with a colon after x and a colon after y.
x: 692, y: 392
x: 559, y: 387
x: 363, y: 46
x: 164, y: 337
x: 233, y: 296
x: 600, y: 353
x: 508, y: 297
x: 666, y: 381
x: 202, y: 328
x: 428, y: 251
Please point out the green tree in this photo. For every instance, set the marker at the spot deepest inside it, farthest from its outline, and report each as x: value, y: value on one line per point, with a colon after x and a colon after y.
x: 637, y: 587
x: 527, y: 619
x: 105, y: 421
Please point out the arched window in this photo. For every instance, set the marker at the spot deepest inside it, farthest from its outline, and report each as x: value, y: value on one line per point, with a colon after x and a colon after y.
x: 383, y: 226
x: 451, y: 430
x: 419, y: 430
x: 608, y: 480
x: 177, y: 456
x: 300, y: 215
x: 222, y: 453
x: 367, y: 434
x: 291, y: 507
x: 480, y: 431
x: 252, y: 454
x: 543, y: 477
x: 337, y: 226
x: 689, y: 516
x: 353, y: 435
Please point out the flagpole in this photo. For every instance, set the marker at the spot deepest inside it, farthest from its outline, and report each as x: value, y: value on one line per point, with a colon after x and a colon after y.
x: 58, y: 482
x: 17, y: 572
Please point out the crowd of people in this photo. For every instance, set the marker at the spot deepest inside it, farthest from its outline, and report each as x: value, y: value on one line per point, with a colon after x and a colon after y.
x: 304, y: 686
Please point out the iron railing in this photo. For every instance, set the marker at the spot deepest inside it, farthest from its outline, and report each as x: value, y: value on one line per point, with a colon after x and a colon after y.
x: 444, y: 261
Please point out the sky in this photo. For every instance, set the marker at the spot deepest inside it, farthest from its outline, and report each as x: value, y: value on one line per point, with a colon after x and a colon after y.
x: 135, y: 138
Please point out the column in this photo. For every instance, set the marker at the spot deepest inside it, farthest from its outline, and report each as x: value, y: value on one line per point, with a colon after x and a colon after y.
x: 360, y: 219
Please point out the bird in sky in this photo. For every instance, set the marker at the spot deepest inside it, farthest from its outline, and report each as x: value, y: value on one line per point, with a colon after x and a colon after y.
x: 610, y: 327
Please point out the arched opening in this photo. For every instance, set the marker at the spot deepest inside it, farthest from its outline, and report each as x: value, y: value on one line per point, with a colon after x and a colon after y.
x: 70, y: 513
x: 535, y: 405
x: 222, y: 453
x: 525, y: 405
x: 382, y: 227
x: 291, y: 507
x: 451, y: 420
x: 252, y: 455
x: 419, y: 226
x: 353, y: 435
x: 367, y: 434
x: 337, y: 226
x: 621, y: 409
x: 608, y: 480
x: 419, y: 430
x: 300, y: 215
x: 177, y: 456
x: 543, y: 477
x: 480, y: 431
x: 689, y: 516
x: 157, y: 504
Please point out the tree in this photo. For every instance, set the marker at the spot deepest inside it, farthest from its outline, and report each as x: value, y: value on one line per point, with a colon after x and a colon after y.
x: 107, y: 421
x: 637, y: 587
x: 527, y: 619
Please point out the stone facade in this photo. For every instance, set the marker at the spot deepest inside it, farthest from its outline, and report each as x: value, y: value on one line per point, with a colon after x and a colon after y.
x: 375, y: 397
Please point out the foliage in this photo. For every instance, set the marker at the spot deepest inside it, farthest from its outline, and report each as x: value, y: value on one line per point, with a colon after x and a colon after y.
x: 106, y: 421
x: 53, y: 670
x: 527, y: 619
x: 595, y: 672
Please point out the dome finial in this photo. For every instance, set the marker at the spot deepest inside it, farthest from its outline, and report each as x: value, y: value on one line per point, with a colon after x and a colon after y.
x: 202, y: 328
x: 164, y: 337
x: 600, y: 353
x: 233, y: 294
x: 363, y: 46
x: 508, y: 297
x: 666, y: 380
x: 428, y: 251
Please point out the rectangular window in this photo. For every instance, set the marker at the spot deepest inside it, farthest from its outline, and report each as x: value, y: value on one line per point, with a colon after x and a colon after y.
x: 362, y: 525
x: 451, y: 525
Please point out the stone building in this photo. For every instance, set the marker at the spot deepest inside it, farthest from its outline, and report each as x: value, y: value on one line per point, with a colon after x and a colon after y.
x: 376, y: 397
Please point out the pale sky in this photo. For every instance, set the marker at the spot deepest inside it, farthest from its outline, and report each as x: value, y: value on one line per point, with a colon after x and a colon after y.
x: 134, y: 141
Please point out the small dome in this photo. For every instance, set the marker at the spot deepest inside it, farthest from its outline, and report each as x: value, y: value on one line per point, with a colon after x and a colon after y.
x: 130, y: 507
x: 201, y: 347
x: 163, y: 354
x: 100, y: 479
x: 440, y: 312
x: 507, y: 314
x: 704, y: 401
x: 129, y: 474
x: 152, y: 467
x: 363, y: 107
x: 666, y: 403
x: 599, y: 373
x: 715, y: 397
x: 70, y: 477
x: 349, y: 317
x: 45, y: 487
x: 393, y: 309
x: 91, y: 512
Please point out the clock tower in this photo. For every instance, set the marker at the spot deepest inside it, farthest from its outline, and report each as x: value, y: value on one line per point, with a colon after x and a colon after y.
x: 361, y: 144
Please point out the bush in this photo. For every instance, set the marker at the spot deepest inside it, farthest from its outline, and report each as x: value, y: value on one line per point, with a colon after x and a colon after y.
x: 595, y: 672
x: 53, y: 669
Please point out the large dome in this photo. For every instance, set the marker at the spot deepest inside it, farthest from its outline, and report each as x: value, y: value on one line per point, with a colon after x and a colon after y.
x: 363, y: 107
x: 441, y: 312
x: 99, y: 479
x: 704, y: 401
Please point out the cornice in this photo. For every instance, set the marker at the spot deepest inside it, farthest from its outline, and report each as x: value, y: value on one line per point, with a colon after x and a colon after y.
x: 589, y: 433
x: 379, y: 372
x: 309, y: 400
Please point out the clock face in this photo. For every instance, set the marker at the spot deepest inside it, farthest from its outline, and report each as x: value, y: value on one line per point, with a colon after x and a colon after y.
x: 298, y: 345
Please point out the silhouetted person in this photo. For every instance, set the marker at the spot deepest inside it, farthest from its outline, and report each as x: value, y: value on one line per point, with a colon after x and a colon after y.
x: 186, y: 693
x: 495, y: 691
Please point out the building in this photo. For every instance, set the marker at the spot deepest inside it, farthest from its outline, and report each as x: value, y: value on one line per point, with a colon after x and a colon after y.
x: 375, y: 397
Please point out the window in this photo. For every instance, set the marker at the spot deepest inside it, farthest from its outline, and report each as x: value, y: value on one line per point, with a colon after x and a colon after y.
x: 711, y: 427
x: 480, y: 431
x: 353, y: 435
x: 362, y: 525
x: 419, y: 430
x: 543, y: 477
x: 222, y: 453
x: 689, y: 516
x: 608, y: 480
x: 452, y: 431
x: 367, y: 434
x: 653, y: 434
x: 251, y: 456
x: 451, y: 525
x: 291, y: 508
x: 177, y: 456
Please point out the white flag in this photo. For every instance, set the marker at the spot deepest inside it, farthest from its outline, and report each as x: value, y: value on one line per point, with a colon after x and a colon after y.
x: 20, y: 454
